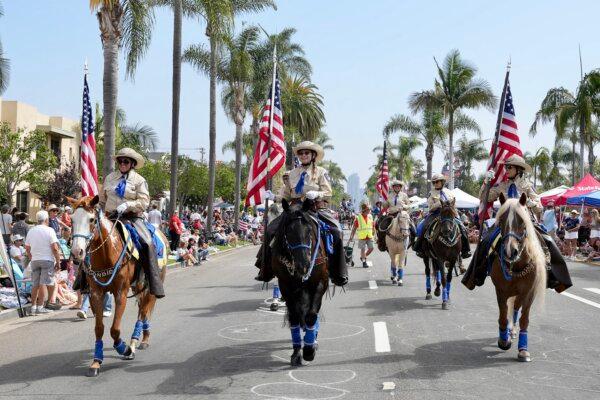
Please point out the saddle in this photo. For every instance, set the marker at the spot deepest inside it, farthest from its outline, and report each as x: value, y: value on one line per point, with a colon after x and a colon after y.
x: 381, y: 227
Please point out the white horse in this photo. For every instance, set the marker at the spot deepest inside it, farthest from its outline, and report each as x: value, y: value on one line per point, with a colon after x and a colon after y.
x: 396, y: 240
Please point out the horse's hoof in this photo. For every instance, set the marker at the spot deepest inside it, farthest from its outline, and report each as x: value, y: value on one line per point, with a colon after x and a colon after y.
x: 92, y: 372
x: 504, y: 345
x: 524, y: 356
x: 437, y: 292
x: 143, y: 346
x: 308, y: 353
x: 296, y: 358
x: 274, y: 306
x: 400, y: 283
x: 129, y: 354
x: 445, y: 305
x: 428, y: 296
x: 393, y: 280
x: 513, y: 334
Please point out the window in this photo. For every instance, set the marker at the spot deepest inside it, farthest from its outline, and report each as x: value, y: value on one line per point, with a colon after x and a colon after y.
x: 22, y: 200
x: 55, y: 147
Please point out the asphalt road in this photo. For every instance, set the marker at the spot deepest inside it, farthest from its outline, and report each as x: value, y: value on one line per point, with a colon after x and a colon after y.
x: 212, y: 338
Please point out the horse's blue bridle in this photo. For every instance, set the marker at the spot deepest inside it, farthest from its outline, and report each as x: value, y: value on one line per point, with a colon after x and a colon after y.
x: 313, y: 258
x: 507, y: 271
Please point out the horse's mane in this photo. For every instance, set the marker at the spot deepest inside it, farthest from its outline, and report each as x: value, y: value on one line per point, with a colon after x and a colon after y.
x: 532, y: 243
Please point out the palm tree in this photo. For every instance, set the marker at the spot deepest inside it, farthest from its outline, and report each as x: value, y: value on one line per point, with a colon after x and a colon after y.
x: 324, y: 141
x: 540, y: 161
x: 470, y: 150
x: 4, y: 65
x: 218, y: 16
x: 336, y: 176
x: 560, y: 155
x: 404, y: 157
x: 247, y: 147
x: 568, y: 110
x: 455, y: 88
x: 128, y: 24
x: 142, y: 137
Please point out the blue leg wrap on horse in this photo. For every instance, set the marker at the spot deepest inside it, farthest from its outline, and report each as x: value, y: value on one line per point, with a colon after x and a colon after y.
x: 137, y: 330
x: 99, y: 351
x: 393, y: 270
x: 420, y: 227
x: 310, y: 335
x: 439, y: 276
x: 296, y: 336
x: 428, y: 282
x: 448, y: 285
x: 445, y: 294
x: 515, y: 316
x: 318, y: 324
x: 523, y: 340
x: 400, y: 273
x: 504, y: 334
x: 120, y: 346
x: 146, y: 325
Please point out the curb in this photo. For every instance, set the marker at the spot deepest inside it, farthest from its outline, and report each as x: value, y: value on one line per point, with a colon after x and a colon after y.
x: 13, y: 313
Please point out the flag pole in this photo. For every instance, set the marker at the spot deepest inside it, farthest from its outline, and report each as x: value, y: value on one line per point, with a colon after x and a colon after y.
x: 271, y: 112
x: 494, y: 152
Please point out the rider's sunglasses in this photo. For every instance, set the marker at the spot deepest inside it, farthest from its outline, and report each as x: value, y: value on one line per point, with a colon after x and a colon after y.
x: 509, y: 167
x: 124, y: 161
x: 304, y: 152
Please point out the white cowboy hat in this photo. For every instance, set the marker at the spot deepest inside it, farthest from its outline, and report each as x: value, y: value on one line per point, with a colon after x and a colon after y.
x: 52, y: 207
x: 438, y: 177
x: 131, y: 153
x: 575, y: 212
x: 517, y: 161
x: 307, y: 145
x: 17, y: 237
x: 396, y: 182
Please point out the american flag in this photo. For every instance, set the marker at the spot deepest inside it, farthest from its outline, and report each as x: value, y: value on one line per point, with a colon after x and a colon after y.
x: 89, y: 173
x: 257, y: 179
x: 383, y: 181
x: 508, y: 144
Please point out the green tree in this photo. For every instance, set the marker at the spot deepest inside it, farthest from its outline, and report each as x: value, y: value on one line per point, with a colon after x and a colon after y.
x: 4, y: 65
x: 324, y: 141
x: 128, y: 24
x: 455, y: 88
x: 568, y: 110
x: 404, y: 157
x: 24, y: 157
x: 157, y: 174
x: 303, y: 107
x: 337, y: 179
x: 469, y: 150
x: 63, y: 182
x: 218, y: 16
x: 541, y: 162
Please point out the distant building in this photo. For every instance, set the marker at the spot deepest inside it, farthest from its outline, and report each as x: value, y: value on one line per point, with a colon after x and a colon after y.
x: 64, y: 138
x: 354, y: 190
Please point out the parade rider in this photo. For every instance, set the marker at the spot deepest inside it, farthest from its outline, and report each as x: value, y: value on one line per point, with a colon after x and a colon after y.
x: 434, y: 202
x: 515, y: 184
x: 364, y: 227
x: 307, y: 181
x: 125, y: 194
x: 397, y: 199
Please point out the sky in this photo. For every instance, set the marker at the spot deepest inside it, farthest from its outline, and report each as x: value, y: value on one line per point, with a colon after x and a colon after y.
x: 367, y: 58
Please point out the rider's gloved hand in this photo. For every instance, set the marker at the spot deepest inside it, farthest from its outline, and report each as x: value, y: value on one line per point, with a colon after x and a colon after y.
x: 312, y: 194
x: 269, y: 195
x: 121, y: 208
x: 531, y: 203
x: 489, y: 175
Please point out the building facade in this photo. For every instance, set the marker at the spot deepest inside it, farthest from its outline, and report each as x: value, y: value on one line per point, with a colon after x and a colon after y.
x: 63, y: 135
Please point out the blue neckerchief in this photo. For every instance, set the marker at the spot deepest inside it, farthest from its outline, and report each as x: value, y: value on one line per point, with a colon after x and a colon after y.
x: 120, y: 188
x: 513, y: 193
x: 443, y: 195
x: 300, y: 185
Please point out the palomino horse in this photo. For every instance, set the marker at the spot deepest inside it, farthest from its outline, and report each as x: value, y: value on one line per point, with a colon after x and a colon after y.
x: 299, y: 261
x: 518, y: 271
x: 109, y: 267
x: 443, y: 249
x: 396, y: 241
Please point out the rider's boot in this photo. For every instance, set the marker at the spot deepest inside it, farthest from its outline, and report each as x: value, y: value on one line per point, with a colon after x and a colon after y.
x: 466, y: 247
x: 477, y: 271
x: 338, y: 269
x: 263, y: 263
x: 152, y: 272
x: 418, y: 247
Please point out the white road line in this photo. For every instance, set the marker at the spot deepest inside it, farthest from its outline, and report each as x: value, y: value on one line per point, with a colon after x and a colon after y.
x: 372, y: 284
x: 382, y: 340
x: 581, y: 299
x: 593, y: 290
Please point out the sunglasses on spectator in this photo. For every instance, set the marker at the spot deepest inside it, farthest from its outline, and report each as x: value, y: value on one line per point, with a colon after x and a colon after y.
x: 124, y: 161
x: 304, y: 152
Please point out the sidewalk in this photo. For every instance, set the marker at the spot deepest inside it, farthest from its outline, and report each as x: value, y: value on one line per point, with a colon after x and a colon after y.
x: 13, y: 313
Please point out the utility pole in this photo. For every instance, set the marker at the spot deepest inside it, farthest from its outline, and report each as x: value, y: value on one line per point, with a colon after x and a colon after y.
x: 202, y: 151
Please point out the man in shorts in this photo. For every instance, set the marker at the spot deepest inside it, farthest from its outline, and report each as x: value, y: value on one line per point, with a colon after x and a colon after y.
x: 42, y: 249
x: 365, y: 229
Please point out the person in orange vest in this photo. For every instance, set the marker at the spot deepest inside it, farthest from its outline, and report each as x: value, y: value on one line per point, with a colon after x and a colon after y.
x: 365, y: 229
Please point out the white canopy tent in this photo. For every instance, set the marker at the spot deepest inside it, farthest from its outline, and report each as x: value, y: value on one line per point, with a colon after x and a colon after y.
x: 464, y: 199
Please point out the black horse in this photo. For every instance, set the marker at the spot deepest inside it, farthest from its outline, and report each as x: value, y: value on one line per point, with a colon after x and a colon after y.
x: 443, y: 250
x: 299, y: 260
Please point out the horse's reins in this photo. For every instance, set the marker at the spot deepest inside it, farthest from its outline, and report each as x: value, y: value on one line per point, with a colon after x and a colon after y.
x: 507, y: 271
x: 455, y: 230
x: 394, y: 237
x: 313, y: 258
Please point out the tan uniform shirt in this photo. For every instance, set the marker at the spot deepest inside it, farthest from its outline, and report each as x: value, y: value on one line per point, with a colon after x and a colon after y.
x: 523, y: 186
x: 313, y: 181
x: 136, y: 195
x: 397, y: 201
x: 433, y: 202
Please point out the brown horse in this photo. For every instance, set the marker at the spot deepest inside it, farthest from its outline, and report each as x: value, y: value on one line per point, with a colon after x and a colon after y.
x: 518, y: 271
x: 443, y: 249
x: 299, y: 261
x: 102, y: 253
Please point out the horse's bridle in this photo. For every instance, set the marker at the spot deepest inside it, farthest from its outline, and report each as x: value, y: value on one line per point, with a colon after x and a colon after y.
x: 508, y: 270
x: 449, y: 242
x: 308, y: 246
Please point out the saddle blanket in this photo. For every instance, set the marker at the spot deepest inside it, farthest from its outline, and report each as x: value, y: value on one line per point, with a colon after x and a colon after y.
x: 131, y: 238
